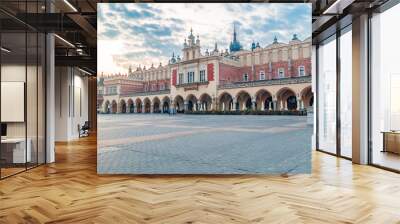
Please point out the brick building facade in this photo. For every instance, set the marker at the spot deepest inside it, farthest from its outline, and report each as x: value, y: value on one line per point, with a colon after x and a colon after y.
x: 276, y: 77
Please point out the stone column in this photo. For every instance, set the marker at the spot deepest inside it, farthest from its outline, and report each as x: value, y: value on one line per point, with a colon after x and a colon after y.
x: 275, y: 104
x: 119, y: 108
x: 270, y: 105
x: 185, y: 105
x: 234, y: 102
x: 104, y: 108
x: 253, y: 105
x: 214, y: 104
x: 262, y: 105
x: 151, y: 108
x: 135, y: 109
x: 143, y: 108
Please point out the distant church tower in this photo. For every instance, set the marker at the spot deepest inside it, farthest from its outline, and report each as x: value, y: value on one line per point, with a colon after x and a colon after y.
x: 191, y: 47
x: 235, y: 44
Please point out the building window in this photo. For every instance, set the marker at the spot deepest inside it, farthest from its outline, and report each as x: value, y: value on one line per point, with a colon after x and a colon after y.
x: 245, y: 77
x: 302, y: 71
x: 202, y: 75
x: 162, y: 86
x: 112, y: 90
x: 281, y: 73
x: 262, y: 75
x: 180, y: 80
x: 190, y: 77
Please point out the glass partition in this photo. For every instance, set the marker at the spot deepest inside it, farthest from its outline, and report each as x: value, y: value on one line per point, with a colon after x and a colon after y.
x: 385, y: 89
x: 13, y: 87
x: 346, y: 92
x: 22, y: 90
x: 327, y: 95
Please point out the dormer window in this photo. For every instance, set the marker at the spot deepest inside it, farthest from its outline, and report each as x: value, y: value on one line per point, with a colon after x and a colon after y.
x: 245, y: 77
x: 262, y: 75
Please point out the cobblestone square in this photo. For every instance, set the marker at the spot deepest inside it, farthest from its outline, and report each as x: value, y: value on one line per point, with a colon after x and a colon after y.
x: 203, y: 144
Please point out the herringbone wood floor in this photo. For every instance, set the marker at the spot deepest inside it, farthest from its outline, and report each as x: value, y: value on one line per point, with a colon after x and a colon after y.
x: 70, y: 191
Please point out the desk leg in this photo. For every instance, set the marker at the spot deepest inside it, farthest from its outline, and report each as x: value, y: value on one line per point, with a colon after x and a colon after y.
x: 384, y: 142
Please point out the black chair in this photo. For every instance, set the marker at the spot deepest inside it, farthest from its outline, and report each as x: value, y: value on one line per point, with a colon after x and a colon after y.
x: 84, y: 130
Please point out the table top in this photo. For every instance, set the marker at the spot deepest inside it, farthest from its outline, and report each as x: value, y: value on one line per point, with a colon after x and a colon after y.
x: 391, y: 132
x: 13, y: 140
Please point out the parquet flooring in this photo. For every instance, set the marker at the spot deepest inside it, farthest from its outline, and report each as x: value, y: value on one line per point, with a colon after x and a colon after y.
x: 70, y: 191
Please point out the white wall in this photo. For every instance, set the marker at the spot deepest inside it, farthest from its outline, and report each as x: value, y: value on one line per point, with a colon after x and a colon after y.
x: 71, y: 102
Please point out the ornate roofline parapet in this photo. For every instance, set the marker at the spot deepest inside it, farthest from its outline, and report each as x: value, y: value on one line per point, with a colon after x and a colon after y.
x: 285, y: 81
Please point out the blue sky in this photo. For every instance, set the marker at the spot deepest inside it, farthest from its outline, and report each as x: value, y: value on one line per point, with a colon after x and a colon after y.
x: 145, y: 33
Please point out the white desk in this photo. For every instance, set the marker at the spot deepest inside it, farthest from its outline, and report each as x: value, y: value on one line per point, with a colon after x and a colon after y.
x: 18, y: 151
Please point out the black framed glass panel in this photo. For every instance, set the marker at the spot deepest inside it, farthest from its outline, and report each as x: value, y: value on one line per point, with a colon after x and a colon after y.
x: 346, y: 94
x: 327, y: 95
x: 385, y: 89
x: 14, y: 153
x: 22, y: 101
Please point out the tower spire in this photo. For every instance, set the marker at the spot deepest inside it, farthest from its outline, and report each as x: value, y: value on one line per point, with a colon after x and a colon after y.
x: 235, y: 44
x: 275, y: 40
x: 234, y: 32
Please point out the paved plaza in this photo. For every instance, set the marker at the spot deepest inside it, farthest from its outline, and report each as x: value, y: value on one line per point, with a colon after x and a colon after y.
x: 203, y: 144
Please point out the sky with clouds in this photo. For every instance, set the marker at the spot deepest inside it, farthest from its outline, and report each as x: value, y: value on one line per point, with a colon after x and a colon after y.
x: 145, y: 33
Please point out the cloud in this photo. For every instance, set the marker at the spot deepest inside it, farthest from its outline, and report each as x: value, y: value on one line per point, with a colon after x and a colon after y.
x: 147, y: 33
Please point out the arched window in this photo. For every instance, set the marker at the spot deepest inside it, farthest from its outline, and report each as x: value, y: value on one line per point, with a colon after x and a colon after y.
x: 245, y: 77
